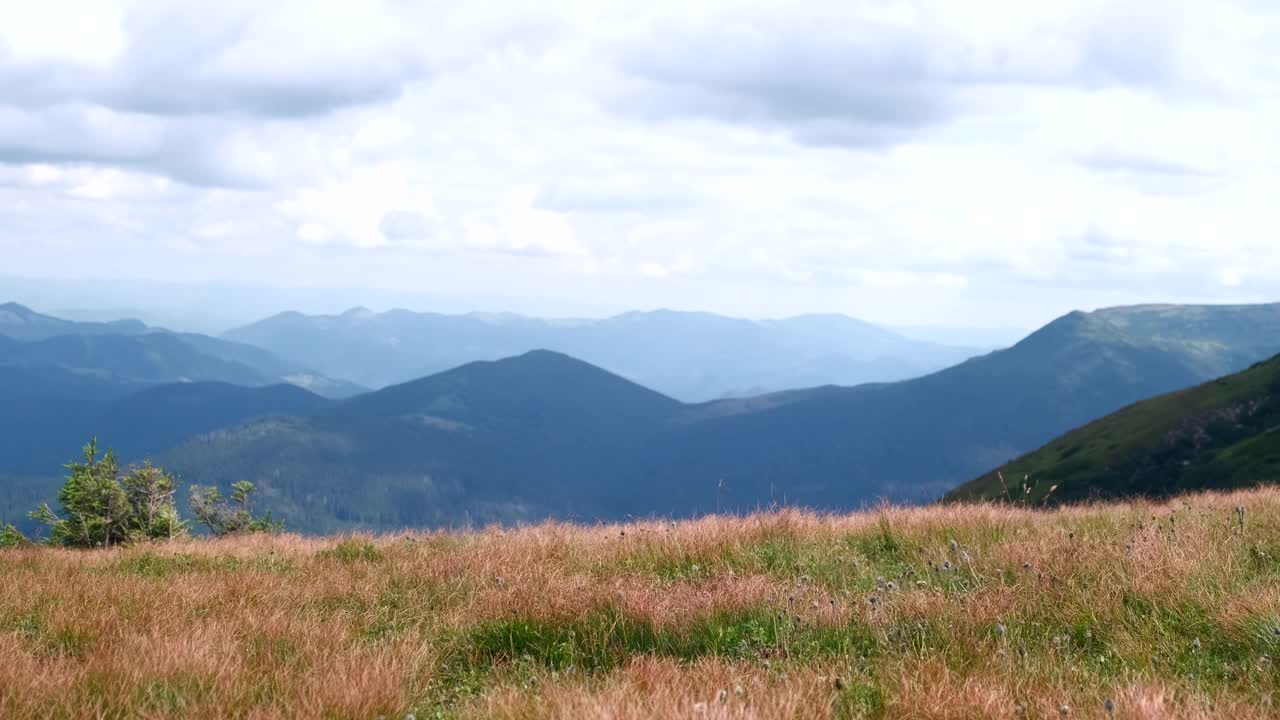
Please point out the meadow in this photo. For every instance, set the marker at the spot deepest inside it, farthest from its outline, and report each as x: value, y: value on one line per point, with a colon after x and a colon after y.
x: 1127, y: 610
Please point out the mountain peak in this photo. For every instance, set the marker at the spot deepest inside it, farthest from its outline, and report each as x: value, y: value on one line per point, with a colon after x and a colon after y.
x: 554, y: 387
x: 16, y: 308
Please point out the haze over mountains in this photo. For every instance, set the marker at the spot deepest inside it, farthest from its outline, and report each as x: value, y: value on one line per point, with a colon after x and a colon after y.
x: 128, y: 351
x: 546, y: 434
x: 690, y: 356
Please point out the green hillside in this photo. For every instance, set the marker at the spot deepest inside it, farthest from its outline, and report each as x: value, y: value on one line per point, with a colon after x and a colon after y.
x: 1222, y: 434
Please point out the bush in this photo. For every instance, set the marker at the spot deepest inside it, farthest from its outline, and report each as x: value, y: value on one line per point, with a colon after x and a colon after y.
x: 153, y: 515
x: 224, y: 517
x: 10, y: 536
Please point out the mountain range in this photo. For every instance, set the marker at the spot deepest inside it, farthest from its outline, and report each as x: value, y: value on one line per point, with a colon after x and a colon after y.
x: 129, y: 352
x: 691, y: 356
x: 543, y: 434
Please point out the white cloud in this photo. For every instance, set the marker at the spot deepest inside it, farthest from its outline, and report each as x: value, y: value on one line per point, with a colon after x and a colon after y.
x: 913, y: 161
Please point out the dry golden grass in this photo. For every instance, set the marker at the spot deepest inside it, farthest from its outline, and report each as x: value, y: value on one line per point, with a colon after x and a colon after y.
x: 1168, y: 610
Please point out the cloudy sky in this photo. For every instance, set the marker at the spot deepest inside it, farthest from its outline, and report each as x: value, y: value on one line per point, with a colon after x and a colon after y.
x: 907, y: 161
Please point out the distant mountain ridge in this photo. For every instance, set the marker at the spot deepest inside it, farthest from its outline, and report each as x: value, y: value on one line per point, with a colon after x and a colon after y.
x: 128, y: 351
x: 22, y: 323
x: 687, y: 355
x: 1221, y: 435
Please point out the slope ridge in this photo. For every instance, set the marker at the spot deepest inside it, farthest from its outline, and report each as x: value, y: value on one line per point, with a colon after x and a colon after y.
x: 1222, y: 434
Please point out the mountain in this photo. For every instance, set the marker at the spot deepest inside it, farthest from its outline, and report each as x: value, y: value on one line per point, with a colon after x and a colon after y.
x: 691, y: 356
x: 49, y: 413
x: 158, y: 418
x: 543, y: 434
x: 128, y: 351
x: 39, y: 405
x: 1219, y: 435
x: 537, y: 435
x: 23, y: 323
x: 540, y: 395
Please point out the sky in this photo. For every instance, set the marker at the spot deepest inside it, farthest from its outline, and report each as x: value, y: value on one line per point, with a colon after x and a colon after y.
x: 985, y: 163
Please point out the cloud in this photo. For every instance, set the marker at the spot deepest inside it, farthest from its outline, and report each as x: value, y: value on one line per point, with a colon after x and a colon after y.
x: 868, y: 75
x: 866, y: 84
x: 176, y: 93
x: 1121, y: 160
x: 406, y: 226
x: 616, y: 194
x: 915, y: 161
x: 284, y: 59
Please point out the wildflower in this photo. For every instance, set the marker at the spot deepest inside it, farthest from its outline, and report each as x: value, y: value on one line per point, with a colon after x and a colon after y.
x: 1026, y: 567
x: 1195, y: 645
x: 946, y: 565
x: 953, y: 544
x: 722, y: 696
x: 964, y: 555
x: 1001, y: 629
x: 739, y: 691
x: 1064, y: 710
x: 1019, y: 710
x: 892, y: 585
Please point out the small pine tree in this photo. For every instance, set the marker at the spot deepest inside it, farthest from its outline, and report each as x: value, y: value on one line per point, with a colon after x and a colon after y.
x: 224, y: 517
x: 153, y: 516
x: 11, y: 536
x: 96, y: 508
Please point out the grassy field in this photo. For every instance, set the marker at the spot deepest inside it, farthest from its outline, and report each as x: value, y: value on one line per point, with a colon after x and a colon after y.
x: 1127, y: 610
